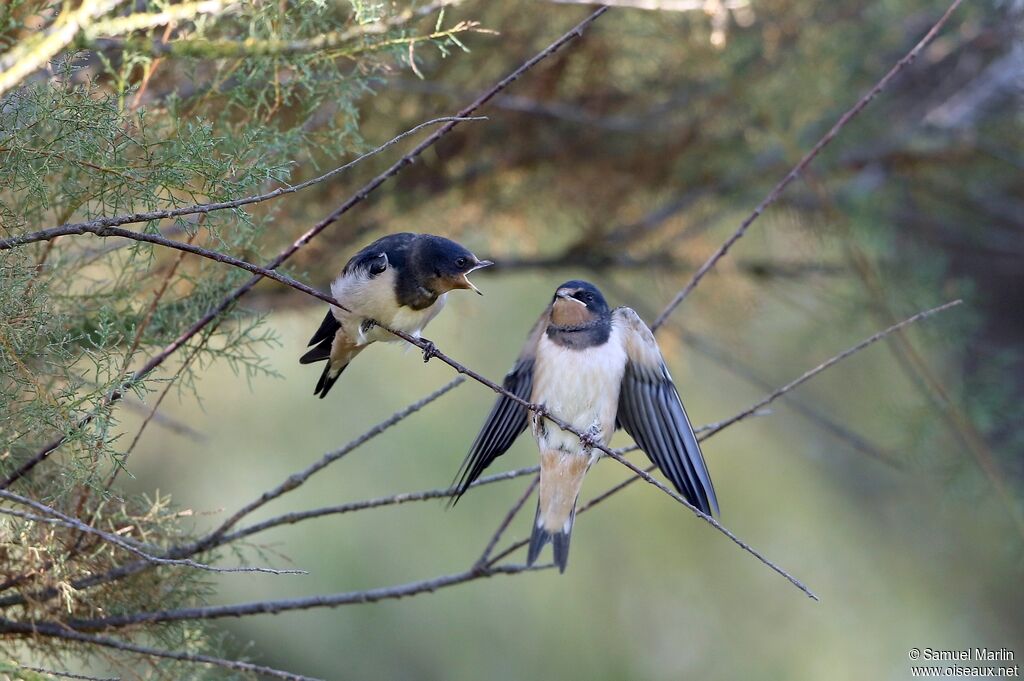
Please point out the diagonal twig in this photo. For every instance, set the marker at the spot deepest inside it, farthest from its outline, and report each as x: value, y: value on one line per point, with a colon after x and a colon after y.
x: 366, y: 504
x: 810, y: 373
x: 101, y: 226
x: 68, y: 675
x: 482, y: 561
x: 430, y: 350
x: 297, y: 479
x: 804, y: 162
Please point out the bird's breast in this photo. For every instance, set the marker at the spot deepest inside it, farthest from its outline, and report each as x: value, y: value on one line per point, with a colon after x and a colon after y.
x: 580, y: 386
x: 374, y: 298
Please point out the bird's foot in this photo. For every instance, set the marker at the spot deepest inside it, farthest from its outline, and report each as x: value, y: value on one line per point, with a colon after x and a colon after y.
x: 590, y: 438
x: 429, y: 350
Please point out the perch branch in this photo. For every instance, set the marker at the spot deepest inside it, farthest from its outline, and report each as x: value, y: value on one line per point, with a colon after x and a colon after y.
x: 482, y: 561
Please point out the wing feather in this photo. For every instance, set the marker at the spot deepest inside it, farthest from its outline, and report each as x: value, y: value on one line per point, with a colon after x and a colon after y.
x: 507, y: 418
x: 652, y: 413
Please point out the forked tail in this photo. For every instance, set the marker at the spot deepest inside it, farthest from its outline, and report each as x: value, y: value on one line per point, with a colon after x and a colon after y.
x: 559, y: 539
x: 561, y: 476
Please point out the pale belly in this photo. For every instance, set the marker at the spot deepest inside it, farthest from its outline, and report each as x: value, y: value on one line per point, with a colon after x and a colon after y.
x: 406, y: 320
x: 375, y: 299
x: 579, y: 386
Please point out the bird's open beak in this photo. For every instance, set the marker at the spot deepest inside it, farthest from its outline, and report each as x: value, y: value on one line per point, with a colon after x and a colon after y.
x: 566, y: 294
x: 465, y: 278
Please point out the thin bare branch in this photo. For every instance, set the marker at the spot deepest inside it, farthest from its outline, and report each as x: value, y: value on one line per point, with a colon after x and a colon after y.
x: 69, y: 675
x: 55, y: 517
x: 54, y: 630
x: 306, y: 603
x: 711, y: 521
x: 297, y: 479
x: 430, y: 350
x: 482, y: 561
x: 102, y: 226
x: 810, y: 373
x: 354, y: 506
x: 804, y: 162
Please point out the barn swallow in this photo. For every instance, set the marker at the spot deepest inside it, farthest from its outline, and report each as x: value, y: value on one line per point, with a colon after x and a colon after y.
x: 400, y: 281
x: 597, y: 369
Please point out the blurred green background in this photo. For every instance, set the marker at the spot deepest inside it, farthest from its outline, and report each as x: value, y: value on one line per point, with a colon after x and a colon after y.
x: 626, y: 160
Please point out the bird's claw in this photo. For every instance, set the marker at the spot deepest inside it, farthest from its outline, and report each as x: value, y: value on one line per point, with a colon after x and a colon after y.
x: 429, y: 350
x: 590, y: 438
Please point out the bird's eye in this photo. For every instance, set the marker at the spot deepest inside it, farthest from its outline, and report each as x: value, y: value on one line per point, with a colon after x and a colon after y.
x: 462, y: 262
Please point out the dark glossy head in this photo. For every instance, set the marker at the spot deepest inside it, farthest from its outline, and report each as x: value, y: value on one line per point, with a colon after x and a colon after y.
x: 577, y: 303
x: 446, y: 263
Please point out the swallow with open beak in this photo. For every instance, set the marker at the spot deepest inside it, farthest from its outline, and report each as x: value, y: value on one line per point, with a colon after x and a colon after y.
x: 400, y: 281
x: 596, y: 369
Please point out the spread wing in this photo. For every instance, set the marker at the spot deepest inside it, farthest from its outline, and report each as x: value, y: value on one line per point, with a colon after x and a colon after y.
x: 651, y: 412
x: 507, y: 419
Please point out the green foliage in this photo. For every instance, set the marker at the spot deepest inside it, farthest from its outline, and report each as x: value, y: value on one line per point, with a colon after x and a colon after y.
x: 137, y: 117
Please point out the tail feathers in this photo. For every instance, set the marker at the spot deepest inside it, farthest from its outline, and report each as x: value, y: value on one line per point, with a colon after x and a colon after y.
x: 337, y: 361
x: 319, y: 353
x: 559, y: 541
x: 327, y: 379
